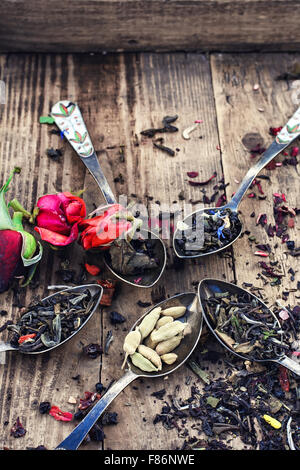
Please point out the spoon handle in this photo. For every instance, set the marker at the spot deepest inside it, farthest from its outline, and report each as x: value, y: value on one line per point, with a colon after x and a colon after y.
x: 287, y: 134
x: 289, y: 364
x: 69, y: 120
x: 74, y: 439
x: 6, y: 347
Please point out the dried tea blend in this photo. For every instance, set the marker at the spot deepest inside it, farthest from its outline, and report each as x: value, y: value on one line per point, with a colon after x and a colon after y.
x: 209, y: 231
x: 51, y: 321
x: 245, y: 325
x: 135, y: 257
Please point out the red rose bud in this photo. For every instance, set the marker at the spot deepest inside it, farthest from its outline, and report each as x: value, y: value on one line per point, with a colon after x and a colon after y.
x: 17, y: 247
x: 10, y: 257
x: 58, y: 217
x: 100, y: 231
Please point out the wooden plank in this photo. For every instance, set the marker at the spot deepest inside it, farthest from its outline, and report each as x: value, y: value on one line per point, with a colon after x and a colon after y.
x: 152, y: 86
x: 34, y: 83
x: 119, y: 96
x: 250, y: 99
x: 127, y: 25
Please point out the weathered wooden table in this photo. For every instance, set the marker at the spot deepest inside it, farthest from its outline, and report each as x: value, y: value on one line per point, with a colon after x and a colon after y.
x: 120, y: 95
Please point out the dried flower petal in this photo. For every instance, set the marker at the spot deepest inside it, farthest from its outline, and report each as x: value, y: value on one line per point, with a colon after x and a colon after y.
x: 18, y: 430
x: 60, y: 415
x: 92, y: 269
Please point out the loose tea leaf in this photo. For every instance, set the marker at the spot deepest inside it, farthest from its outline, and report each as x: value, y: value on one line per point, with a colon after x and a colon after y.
x: 208, y: 231
x: 132, y: 258
x: 245, y: 325
x: 49, y: 322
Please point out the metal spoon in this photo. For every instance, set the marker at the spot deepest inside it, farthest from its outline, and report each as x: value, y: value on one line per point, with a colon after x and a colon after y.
x: 69, y: 120
x: 289, y: 434
x: 96, y: 292
x: 194, y: 316
x: 209, y: 286
x: 287, y: 134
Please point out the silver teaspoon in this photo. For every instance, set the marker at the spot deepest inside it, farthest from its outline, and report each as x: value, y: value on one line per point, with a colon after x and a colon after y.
x: 96, y: 292
x: 188, y: 241
x: 194, y: 317
x: 69, y: 120
x: 207, y: 288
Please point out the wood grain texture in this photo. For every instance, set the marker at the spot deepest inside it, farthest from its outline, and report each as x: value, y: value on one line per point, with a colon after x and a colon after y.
x: 131, y: 25
x: 250, y: 99
x: 119, y: 97
x: 152, y: 86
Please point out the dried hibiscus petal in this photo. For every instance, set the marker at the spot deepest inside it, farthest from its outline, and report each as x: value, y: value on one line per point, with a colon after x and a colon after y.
x: 60, y: 415
x: 203, y: 183
x: 284, y: 379
x: 221, y: 201
x: 275, y: 130
x: 192, y: 174
x: 18, y: 430
x: 294, y: 151
x: 88, y: 399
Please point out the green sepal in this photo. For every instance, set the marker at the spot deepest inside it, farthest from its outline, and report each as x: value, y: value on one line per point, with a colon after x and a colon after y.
x: 6, y: 222
x: 17, y: 207
x: 35, y: 259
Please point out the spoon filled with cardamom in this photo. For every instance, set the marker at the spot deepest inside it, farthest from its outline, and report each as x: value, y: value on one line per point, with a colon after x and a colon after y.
x: 157, y: 344
x: 137, y: 256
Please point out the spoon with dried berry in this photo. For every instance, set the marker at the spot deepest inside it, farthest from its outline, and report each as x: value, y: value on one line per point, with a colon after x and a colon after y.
x: 157, y: 345
x: 133, y: 254
x: 243, y: 324
x: 208, y: 231
x: 50, y: 322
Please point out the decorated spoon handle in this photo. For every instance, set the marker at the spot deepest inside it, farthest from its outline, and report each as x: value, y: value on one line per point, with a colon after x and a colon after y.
x: 287, y: 134
x: 69, y: 120
x: 289, y: 364
x: 73, y: 441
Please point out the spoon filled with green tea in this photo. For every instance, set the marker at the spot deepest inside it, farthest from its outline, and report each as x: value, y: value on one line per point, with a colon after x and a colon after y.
x: 243, y: 324
x: 208, y: 231
x: 50, y: 322
x: 137, y: 256
x: 157, y: 345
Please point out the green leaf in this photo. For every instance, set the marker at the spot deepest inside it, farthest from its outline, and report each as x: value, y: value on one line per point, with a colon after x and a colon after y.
x: 47, y: 120
x: 212, y: 401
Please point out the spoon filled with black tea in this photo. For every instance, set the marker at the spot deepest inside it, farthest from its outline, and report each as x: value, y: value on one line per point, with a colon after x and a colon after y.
x: 136, y: 257
x: 208, y: 231
x: 244, y: 325
x: 53, y: 320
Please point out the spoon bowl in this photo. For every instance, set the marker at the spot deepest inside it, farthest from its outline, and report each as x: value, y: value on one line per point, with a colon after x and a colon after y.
x: 193, y: 315
x: 194, y: 219
x: 150, y: 276
x: 96, y: 292
x: 209, y: 287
